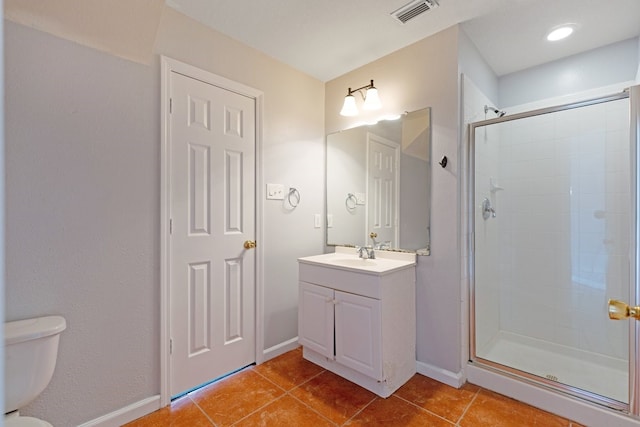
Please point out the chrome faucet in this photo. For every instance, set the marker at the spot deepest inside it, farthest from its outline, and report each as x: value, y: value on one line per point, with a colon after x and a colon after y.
x: 366, y: 252
x: 382, y: 245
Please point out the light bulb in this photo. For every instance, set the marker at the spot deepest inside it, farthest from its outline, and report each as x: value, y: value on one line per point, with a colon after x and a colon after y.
x: 560, y: 33
x: 372, y: 100
x: 349, y: 108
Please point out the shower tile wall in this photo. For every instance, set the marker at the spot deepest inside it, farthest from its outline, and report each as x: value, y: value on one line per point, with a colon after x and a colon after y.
x: 561, y: 228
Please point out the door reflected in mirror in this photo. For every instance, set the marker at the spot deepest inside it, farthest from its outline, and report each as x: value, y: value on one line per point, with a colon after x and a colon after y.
x: 379, y: 184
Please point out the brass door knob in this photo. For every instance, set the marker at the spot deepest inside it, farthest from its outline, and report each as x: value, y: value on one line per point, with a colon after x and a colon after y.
x: 373, y: 235
x: 249, y: 244
x: 619, y: 310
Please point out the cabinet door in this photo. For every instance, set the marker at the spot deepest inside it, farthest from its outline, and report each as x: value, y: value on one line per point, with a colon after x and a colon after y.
x: 315, y: 318
x: 358, y: 333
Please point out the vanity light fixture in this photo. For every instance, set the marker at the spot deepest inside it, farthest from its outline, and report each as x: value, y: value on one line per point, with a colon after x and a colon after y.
x: 371, y: 100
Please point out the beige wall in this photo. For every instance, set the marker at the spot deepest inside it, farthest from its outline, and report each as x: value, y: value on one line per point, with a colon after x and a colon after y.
x: 83, y: 193
x: 293, y: 153
x: 83, y: 184
x: 424, y: 74
x: 123, y: 28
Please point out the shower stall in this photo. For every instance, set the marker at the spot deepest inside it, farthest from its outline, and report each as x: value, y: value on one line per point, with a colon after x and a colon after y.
x: 553, y: 237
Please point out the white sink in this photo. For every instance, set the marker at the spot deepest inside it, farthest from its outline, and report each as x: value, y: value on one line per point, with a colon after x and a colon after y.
x: 347, y: 259
x: 354, y: 262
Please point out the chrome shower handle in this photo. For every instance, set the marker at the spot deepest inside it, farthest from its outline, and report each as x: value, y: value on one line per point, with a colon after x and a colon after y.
x: 487, y: 210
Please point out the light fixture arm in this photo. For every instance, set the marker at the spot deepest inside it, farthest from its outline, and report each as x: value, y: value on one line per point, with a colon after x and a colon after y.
x: 370, y: 98
x: 360, y: 89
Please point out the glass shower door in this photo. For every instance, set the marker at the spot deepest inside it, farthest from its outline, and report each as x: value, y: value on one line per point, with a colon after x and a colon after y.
x: 552, y: 242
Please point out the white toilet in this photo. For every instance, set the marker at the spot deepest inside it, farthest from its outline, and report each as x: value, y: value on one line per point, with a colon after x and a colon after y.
x: 31, y: 349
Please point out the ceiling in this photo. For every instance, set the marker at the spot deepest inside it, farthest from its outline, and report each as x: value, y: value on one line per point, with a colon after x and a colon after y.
x: 328, y: 38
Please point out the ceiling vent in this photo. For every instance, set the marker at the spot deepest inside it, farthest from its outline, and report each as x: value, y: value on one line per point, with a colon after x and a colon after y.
x: 413, y: 9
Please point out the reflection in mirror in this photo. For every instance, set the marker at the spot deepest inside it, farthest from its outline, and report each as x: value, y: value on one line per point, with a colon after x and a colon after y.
x: 379, y: 184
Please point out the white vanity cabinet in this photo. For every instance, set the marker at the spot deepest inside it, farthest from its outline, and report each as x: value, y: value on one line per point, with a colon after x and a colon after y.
x: 342, y: 326
x: 357, y: 318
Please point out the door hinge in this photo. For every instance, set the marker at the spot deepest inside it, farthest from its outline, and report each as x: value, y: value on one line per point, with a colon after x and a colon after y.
x: 170, y: 226
x: 170, y: 105
x: 170, y: 346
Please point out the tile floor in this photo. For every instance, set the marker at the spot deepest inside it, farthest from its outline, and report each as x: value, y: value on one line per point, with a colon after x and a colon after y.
x: 290, y: 391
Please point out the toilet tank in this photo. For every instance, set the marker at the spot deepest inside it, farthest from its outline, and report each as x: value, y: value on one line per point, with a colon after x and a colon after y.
x: 31, y: 350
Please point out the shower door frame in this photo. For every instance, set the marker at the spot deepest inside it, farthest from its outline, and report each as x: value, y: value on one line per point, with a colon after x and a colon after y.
x: 633, y: 407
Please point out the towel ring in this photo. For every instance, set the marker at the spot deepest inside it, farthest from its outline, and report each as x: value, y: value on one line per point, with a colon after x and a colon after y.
x: 293, y: 197
x: 351, y: 201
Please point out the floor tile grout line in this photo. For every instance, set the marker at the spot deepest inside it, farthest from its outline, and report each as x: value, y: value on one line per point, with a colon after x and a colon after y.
x: 202, y: 410
x: 270, y: 380
x: 468, y: 407
x: 260, y: 408
x: 307, y: 380
x: 310, y: 407
x: 286, y: 392
x: 278, y: 372
x: 247, y: 369
x: 295, y: 386
x: 423, y: 409
x: 252, y: 368
x: 362, y: 409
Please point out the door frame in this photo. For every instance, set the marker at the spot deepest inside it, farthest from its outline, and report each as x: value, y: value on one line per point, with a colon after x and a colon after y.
x: 167, y: 66
x: 396, y: 188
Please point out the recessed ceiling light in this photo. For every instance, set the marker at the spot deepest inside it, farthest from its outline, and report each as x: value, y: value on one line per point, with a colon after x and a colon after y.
x: 559, y: 33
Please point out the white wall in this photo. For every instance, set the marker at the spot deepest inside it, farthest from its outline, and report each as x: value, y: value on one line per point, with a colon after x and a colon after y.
x: 604, y: 66
x: 424, y: 74
x: 83, y: 201
x: 638, y: 73
x: 2, y: 196
x: 347, y: 160
x: 82, y: 161
x: 415, y: 205
x: 474, y: 66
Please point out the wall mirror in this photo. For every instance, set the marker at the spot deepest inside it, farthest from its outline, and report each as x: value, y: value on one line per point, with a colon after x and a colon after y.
x: 379, y: 184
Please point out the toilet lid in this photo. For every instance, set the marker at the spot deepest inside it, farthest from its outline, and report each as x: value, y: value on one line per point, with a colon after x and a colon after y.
x: 25, y: 422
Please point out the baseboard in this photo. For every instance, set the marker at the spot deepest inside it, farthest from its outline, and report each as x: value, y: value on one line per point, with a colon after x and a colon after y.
x: 447, y: 377
x: 126, y: 414
x: 279, y: 349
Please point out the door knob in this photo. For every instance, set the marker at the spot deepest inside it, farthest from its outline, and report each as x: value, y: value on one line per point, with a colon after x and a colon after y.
x: 249, y: 244
x: 619, y: 310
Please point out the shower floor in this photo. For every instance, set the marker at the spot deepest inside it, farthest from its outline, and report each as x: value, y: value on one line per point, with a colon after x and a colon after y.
x: 588, y: 371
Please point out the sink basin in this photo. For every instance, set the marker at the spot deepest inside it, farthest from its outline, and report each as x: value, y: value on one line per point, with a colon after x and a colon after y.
x: 347, y: 259
x: 354, y: 262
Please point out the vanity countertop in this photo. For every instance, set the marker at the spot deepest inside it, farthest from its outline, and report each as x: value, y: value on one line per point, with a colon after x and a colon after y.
x: 346, y: 258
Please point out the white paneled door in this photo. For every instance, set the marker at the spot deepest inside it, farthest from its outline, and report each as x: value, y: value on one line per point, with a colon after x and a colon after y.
x: 382, y: 189
x: 212, y: 211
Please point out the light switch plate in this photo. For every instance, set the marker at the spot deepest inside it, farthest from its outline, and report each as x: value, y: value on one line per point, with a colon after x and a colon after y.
x: 329, y: 220
x: 317, y: 221
x: 275, y: 192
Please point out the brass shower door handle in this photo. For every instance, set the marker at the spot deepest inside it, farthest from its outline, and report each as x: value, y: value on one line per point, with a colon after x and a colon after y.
x: 619, y: 310
x: 249, y: 244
